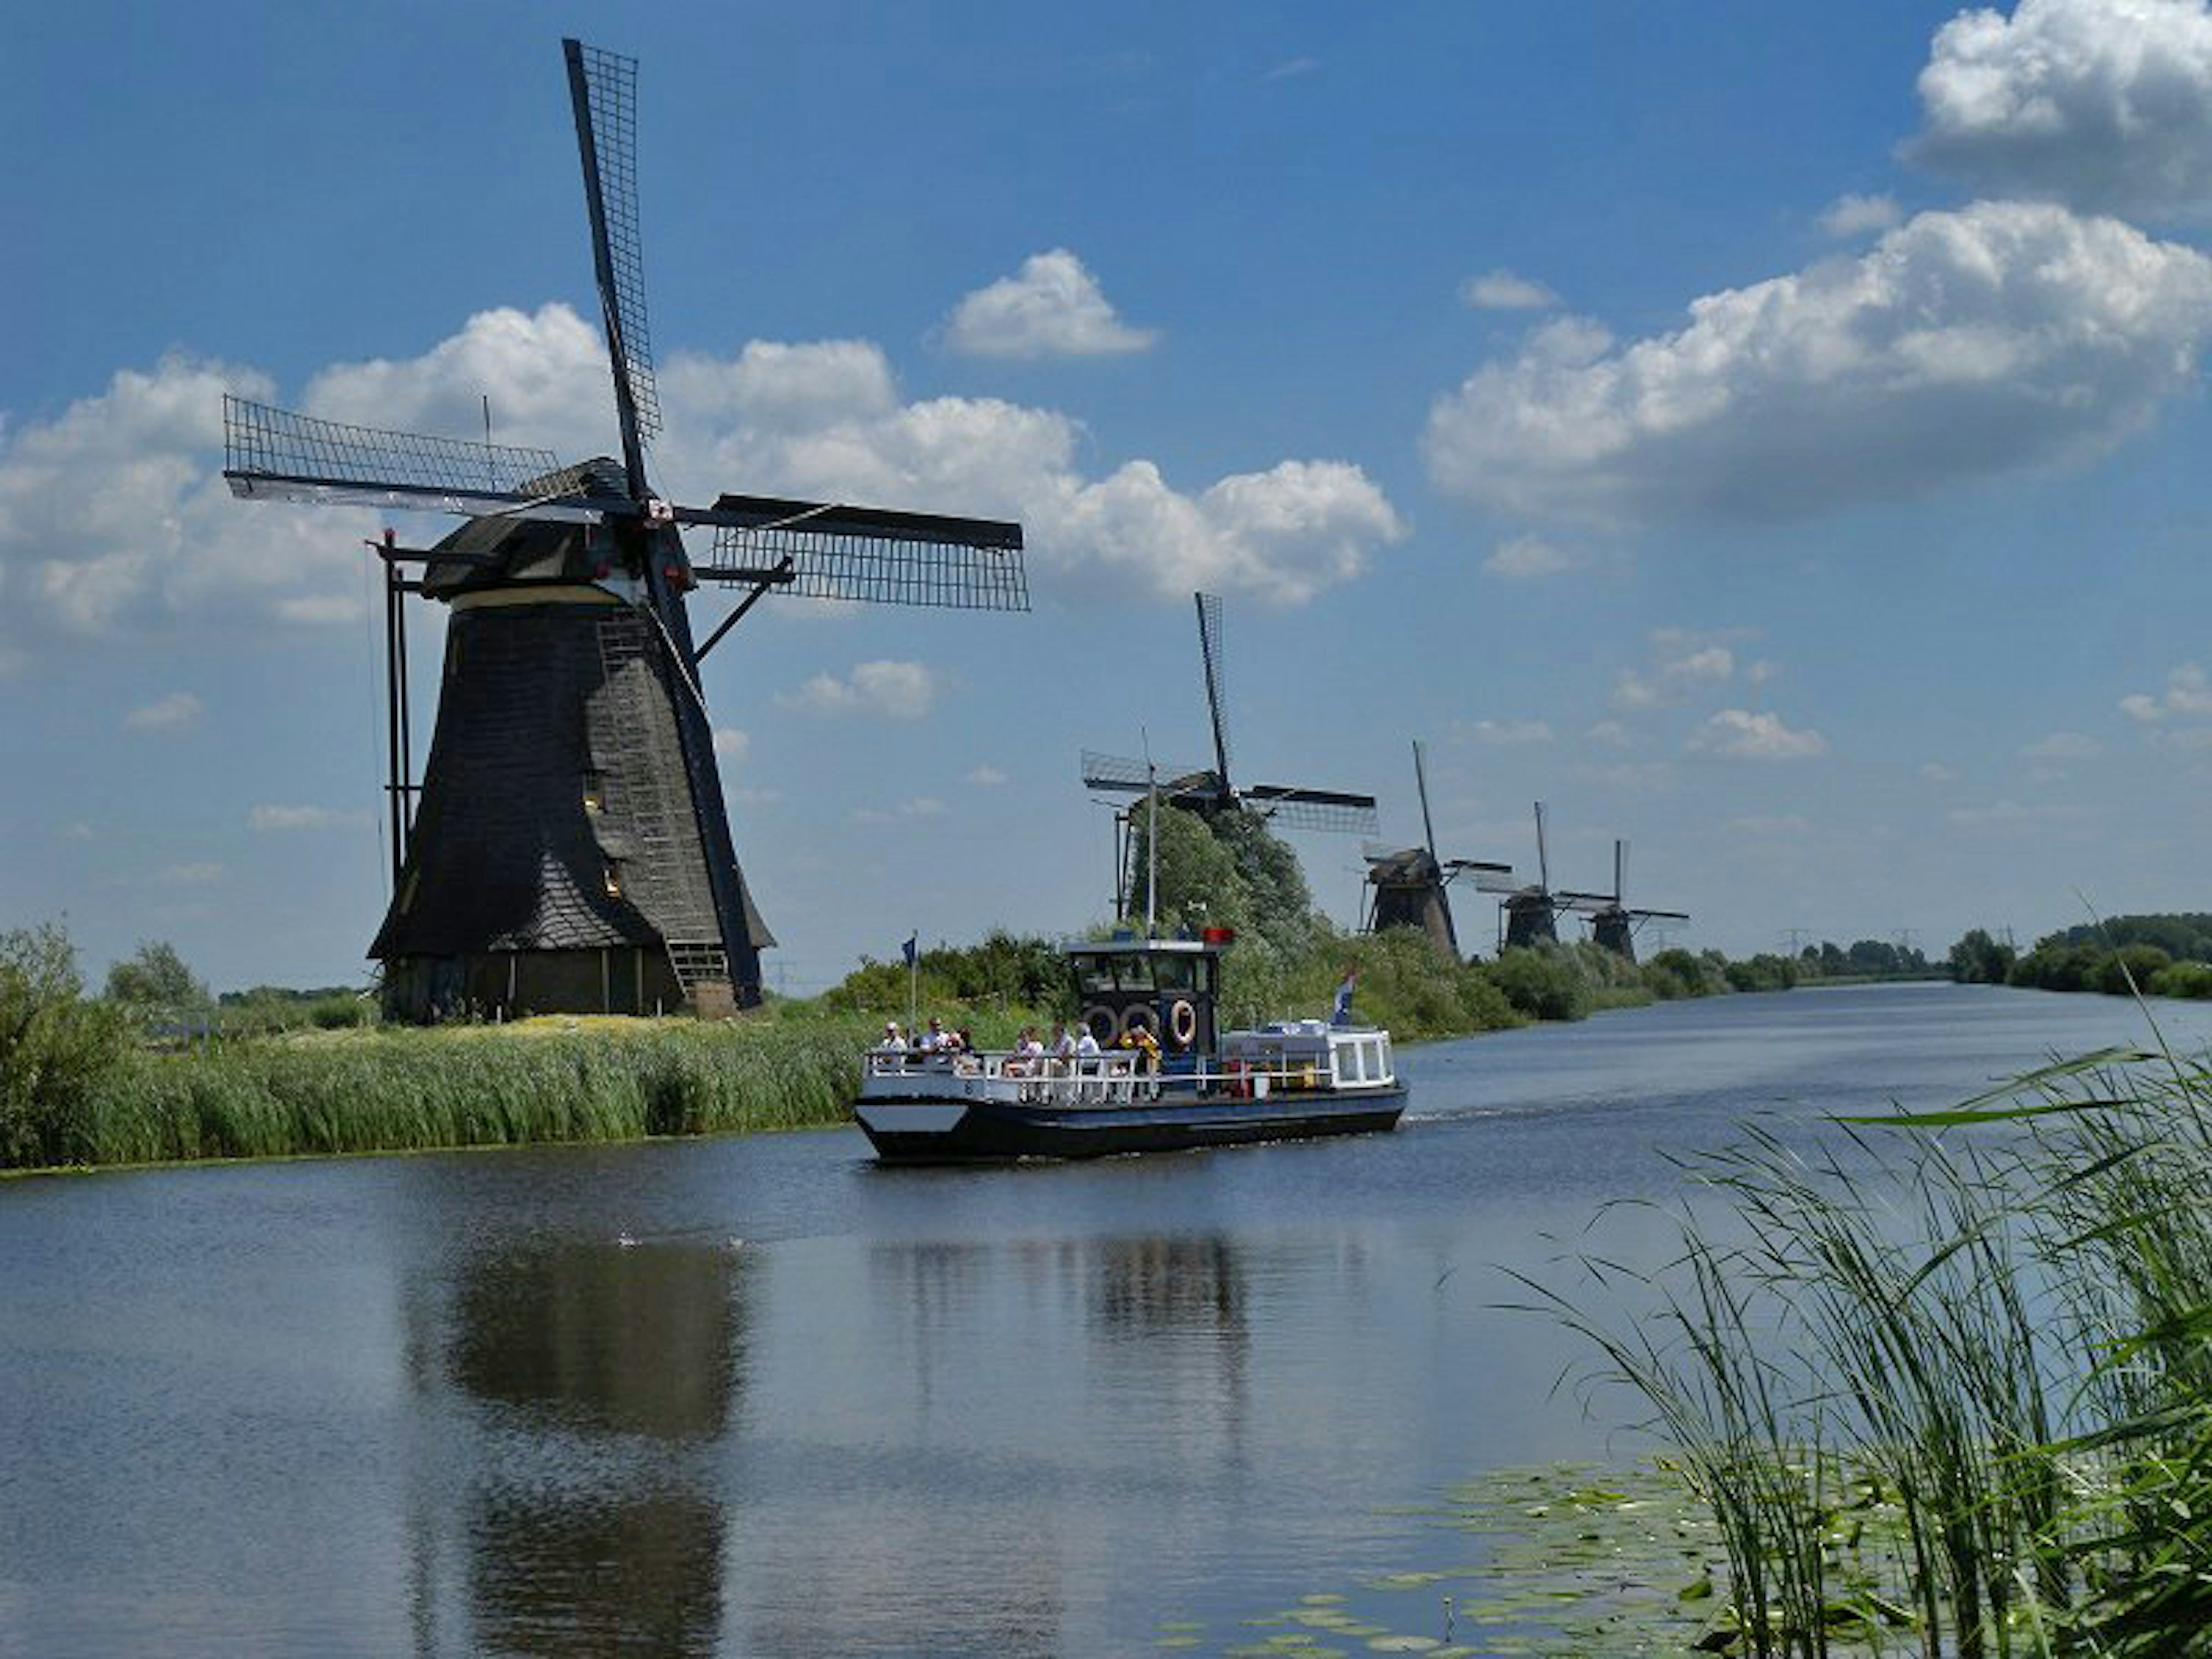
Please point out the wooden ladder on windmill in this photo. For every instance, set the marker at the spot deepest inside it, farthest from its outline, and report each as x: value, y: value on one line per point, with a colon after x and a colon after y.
x: 667, y: 878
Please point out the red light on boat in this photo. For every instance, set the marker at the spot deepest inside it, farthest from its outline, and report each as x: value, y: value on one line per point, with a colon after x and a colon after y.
x: 1218, y: 935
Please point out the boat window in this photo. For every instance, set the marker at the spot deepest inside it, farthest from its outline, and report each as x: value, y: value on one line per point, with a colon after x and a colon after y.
x: 1136, y: 972
x: 1174, y: 973
x: 1348, y: 1063
x: 1094, y: 974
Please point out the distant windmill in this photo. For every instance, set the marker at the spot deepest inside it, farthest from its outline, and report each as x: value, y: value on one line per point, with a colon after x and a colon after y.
x: 1408, y: 885
x: 571, y: 850
x: 1614, y: 925
x: 1209, y: 791
x: 1528, y: 915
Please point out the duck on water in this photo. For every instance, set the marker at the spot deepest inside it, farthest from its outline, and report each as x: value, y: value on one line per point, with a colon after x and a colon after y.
x: 1287, y: 1080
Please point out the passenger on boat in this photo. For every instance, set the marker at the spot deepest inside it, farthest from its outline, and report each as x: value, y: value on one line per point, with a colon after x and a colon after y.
x: 934, y: 1041
x: 1141, y: 1038
x: 1341, y: 1013
x: 1028, y: 1051
x: 1086, y: 1046
x: 893, y: 1044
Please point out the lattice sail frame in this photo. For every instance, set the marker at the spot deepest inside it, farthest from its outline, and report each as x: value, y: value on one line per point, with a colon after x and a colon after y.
x: 610, y: 95
x: 273, y: 448
x: 873, y: 563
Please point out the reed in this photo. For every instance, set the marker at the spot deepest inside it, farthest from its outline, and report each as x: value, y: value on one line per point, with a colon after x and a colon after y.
x: 398, y: 1089
x: 1946, y: 1378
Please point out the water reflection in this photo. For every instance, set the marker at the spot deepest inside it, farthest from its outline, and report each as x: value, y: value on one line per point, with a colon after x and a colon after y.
x: 589, y: 1383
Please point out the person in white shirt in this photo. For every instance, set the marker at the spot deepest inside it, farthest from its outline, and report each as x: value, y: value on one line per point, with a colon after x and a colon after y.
x: 1086, y: 1046
x: 893, y: 1044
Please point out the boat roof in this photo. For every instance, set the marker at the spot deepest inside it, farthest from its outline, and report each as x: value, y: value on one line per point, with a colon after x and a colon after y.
x: 1134, y: 946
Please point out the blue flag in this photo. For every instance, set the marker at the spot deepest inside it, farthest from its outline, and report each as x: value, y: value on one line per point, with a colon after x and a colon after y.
x: 908, y: 950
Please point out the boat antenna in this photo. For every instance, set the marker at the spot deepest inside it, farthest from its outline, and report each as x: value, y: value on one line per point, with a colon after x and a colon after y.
x: 1151, y: 834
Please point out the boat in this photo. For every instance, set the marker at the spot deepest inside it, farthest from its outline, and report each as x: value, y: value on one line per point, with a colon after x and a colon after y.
x: 1180, y: 1085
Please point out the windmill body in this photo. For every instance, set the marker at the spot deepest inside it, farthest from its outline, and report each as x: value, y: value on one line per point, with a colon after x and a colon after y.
x: 1528, y: 915
x: 569, y: 847
x: 1408, y: 885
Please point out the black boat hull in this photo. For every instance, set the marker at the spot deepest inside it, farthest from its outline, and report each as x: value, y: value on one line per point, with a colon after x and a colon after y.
x: 939, y: 1131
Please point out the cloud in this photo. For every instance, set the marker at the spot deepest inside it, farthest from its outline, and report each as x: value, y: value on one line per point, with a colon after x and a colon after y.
x: 897, y: 690
x: 1849, y: 216
x: 986, y: 777
x: 2188, y: 694
x: 1612, y: 733
x: 1697, y: 660
x: 2062, y: 746
x: 189, y: 875
x: 1295, y: 69
x: 1501, y: 290
x: 1739, y: 734
x: 2103, y: 105
x: 1052, y: 308
x: 1510, y: 733
x: 731, y: 745
x: 921, y: 807
x: 1787, y: 826
x: 1936, y: 771
x: 1525, y: 558
x: 2001, y: 337
x: 2012, y: 815
x: 284, y: 820
x: 179, y: 709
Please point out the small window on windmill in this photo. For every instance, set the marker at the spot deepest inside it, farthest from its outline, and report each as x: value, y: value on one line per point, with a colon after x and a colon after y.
x: 595, y: 791
x: 612, y: 880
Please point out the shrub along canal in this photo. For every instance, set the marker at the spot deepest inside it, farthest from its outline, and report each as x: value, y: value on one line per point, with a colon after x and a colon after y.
x: 756, y: 1395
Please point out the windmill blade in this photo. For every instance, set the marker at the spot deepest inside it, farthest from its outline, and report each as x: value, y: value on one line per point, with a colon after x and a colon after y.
x: 1330, y: 810
x: 1484, y: 871
x: 1587, y: 904
x: 1209, y: 650
x: 603, y: 93
x: 1117, y: 773
x: 1659, y: 915
x: 865, y: 553
x: 1620, y: 868
x: 1543, y: 858
x: 1421, y: 783
x: 278, y: 454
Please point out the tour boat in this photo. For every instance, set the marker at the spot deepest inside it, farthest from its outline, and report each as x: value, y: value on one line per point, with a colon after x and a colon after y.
x: 1289, y: 1081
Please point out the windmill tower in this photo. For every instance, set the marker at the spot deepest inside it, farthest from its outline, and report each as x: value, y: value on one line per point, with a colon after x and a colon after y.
x: 568, y: 848
x: 1209, y: 791
x: 1529, y: 915
x: 1614, y: 925
x: 1408, y: 885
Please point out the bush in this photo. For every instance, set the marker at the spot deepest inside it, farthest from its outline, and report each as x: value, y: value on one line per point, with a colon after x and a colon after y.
x: 1673, y: 975
x: 2130, y: 969
x: 2183, y: 979
x: 56, y: 1050
x: 1542, y: 982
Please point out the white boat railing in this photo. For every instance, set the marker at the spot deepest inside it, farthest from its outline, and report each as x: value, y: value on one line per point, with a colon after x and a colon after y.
x: 1105, y: 1079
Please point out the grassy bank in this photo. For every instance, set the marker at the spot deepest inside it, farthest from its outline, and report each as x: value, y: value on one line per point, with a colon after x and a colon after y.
x: 1944, y: 1383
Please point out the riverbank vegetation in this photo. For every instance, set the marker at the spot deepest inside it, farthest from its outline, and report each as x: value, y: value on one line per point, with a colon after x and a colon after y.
x: 2155, y: 954
x: 1941, y: 1381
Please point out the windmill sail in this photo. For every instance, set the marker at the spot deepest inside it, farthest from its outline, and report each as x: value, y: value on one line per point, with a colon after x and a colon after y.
x: 1409, y: 883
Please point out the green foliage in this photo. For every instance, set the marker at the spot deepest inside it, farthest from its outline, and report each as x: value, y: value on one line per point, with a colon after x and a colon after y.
x: 1201, y: 885
x: 1003, y: 973
x: 57, y: 1050
x: 1978, y: 959
x: 1543, y: 981
x: 1763, y: 972
x: 267, y: 1010
x: 2192, y: 980
x: 1673, y: 975
x: 156, y: 978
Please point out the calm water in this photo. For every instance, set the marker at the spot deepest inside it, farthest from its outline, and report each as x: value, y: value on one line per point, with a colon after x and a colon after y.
x: 761, y: 1397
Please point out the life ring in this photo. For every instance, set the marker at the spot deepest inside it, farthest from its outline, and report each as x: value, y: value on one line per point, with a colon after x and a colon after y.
x: 1099, y: 1019
x: 1136, y: 1018
x: 1182, y: 1023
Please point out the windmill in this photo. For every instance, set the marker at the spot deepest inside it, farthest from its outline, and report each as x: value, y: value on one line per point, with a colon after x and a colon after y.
x: 1528, y: 915
x: 568, y: 848
x: 1409, y: 883
x: 1614, y: 924
x: 1209, y: 791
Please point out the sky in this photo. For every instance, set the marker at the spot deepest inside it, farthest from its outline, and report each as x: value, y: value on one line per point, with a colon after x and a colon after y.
x: 1771, y: 432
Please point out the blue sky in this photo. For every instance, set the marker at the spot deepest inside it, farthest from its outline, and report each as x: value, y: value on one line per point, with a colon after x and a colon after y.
x: 1771, y: 432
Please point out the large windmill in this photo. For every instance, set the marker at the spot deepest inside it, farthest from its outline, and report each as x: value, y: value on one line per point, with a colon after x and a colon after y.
x: 568, y: 848
x: 1529, y: 914
x: 1614, y: 925
x: 1209, y: 791
x: 1408, y: 885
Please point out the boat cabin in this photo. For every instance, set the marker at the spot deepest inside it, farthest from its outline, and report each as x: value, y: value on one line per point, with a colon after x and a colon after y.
x: 1309, y: 1053
x: 1166, y: 986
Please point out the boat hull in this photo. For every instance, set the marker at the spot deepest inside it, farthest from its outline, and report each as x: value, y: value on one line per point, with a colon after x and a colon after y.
x: 926, y: 1130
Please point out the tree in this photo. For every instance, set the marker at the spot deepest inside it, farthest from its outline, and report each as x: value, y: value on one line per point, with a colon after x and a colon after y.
x: 56, y: 1050
x: 155, y: 977
x: 1978, y: 959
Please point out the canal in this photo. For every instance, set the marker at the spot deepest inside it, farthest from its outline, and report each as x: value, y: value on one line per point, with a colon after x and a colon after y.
x: 759, y: 1396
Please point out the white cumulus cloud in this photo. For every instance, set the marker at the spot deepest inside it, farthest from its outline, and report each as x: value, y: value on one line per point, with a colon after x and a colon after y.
x: 1504, y: 732
x: 1848, y: 217
x: 897, y: 690
x: 1526, y: 558
x: 1739, y: 734
x: 179, y: 709
x: 2003, y: 335
x: 1051, y: 308
x: 284, y: 820
x: 1501, y: 290
x: 2104, y: 105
